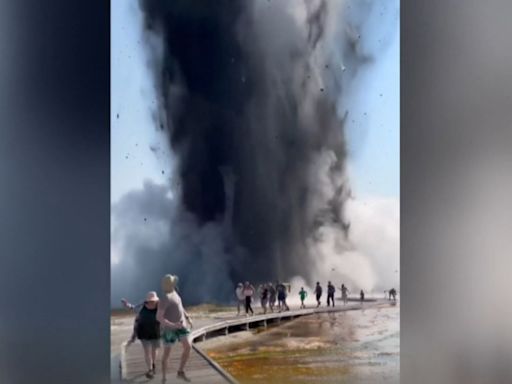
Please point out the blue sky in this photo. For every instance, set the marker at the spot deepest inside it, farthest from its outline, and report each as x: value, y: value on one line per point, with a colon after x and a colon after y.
x: 374, y: 138
x: 373, y: 129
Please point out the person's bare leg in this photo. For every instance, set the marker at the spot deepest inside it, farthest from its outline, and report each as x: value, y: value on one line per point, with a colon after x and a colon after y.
x: 185, y: 342
x: 165, y: 358
x: 147, y: 355
x: 153, y: 357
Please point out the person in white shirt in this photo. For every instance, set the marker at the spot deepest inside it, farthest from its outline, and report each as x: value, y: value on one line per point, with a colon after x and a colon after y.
x: 240, y: 297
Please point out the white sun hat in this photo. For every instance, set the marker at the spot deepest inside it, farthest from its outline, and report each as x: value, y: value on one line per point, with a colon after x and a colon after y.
x: 151, y: 296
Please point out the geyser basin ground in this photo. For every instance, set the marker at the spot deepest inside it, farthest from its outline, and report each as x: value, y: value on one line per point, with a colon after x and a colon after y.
x: 358, y: 346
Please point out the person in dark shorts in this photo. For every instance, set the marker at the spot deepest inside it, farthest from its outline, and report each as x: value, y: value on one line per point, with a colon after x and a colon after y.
x: 361, y: 295
x: 330, y: 294
x: 248, y: 293
x: 173, y: 320
x: 147, y: 330
x: 302, y: 294
x: 264, y: 297
x: 318, y: 293
x: 272, y: 297
x: 281, y: 297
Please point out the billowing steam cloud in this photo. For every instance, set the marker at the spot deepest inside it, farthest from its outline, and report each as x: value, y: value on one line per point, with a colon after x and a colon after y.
x: 249, y: 93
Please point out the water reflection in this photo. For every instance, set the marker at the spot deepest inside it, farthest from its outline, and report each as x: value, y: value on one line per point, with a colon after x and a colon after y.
x: 348, y: 347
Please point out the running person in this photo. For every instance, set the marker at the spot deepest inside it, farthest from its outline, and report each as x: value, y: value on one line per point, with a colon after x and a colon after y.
x: 392, y: 293
x: 264, y: 297
x: 272, y: 293
x: 248, y: 292
x: 330, y: 293
x: 318, y: 293
x: 344, y: 294
x: 303, y: 294
x: 173, y: 318
x: 240, y: 297
x: 281, y: 297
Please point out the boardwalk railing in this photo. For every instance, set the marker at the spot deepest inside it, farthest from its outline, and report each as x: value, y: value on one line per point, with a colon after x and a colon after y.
x: 225, y: 327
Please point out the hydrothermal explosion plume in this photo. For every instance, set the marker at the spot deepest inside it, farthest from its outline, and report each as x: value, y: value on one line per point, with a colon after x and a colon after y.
x: 249, y: 95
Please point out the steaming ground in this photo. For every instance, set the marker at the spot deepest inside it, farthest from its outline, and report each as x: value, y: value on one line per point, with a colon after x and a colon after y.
x: 250, y: 98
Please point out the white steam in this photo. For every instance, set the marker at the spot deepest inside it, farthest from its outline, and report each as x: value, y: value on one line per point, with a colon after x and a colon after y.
x: 371, y: 259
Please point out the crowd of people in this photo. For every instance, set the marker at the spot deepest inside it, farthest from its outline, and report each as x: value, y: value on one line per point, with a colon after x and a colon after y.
x: 269, y: 293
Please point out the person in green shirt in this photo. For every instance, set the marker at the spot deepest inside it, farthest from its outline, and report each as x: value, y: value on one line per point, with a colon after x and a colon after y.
x: 303, y: 294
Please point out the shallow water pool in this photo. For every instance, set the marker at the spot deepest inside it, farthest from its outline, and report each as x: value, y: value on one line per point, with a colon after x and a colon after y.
x: 360, y: 346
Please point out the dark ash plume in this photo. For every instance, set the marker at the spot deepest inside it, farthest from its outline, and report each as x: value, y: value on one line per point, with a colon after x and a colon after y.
x: 249, y: 94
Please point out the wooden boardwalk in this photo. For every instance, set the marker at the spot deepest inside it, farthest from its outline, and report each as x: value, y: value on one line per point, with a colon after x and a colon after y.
x: 200, y: 368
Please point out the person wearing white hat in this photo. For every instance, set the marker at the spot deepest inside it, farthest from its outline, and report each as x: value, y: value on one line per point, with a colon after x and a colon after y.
x: 135, y: 308
x: 173, y: 318
x: 147, y: 330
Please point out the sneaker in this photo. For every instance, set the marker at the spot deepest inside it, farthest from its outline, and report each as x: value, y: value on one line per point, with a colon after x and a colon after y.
x: 150, y: 374
x: 181, y: 375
